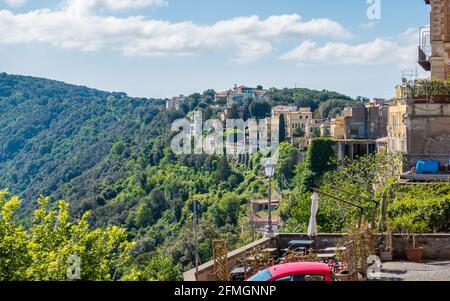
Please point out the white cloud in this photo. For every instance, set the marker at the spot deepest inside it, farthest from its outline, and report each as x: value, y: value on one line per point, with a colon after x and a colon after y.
x: 15, y: 3
x: 246, y: 38
x: 91, y: 7
x: 400, y: 51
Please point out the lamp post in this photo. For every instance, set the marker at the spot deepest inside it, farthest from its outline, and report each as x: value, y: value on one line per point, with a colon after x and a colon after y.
x: 270, y: 169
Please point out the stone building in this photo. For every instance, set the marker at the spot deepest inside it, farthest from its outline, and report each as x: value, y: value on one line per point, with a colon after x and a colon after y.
x: 174, y: 103
x: 359, y: 129
x: 293, y: 118
x: 420, y: 128
x: 436, y: 57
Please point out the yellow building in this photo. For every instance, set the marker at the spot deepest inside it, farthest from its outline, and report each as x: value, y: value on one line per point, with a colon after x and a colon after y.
x: 337, y: 127
x: 293, y: 118
x: 397, y: 127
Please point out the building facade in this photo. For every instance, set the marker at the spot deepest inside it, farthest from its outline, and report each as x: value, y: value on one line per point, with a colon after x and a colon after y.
x: 439, y: 61
x: 419, y: 128
x: 175, y: 102
x: 293, y: 118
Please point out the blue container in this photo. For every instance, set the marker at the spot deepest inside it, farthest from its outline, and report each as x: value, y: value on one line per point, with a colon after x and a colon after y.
x: 427, y: 167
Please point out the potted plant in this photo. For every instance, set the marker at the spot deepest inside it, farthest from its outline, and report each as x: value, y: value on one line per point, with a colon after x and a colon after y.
x: 414, y: 253
x: 439, y: 90
x: 410, y: 226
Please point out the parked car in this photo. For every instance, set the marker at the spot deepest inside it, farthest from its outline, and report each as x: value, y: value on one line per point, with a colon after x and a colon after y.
x: 298, y: 271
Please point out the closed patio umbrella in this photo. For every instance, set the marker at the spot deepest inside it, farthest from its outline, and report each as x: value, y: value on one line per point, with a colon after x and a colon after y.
x: 312, y: 227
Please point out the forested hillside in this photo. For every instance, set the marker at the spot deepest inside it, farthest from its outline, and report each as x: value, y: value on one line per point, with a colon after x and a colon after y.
x: 108, y: 153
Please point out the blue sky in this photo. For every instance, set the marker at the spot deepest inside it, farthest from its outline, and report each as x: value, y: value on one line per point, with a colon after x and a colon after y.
x: 161, y: 48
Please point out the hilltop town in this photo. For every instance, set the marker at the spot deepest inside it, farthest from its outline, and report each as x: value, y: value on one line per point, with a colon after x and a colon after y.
x: 253, y: 183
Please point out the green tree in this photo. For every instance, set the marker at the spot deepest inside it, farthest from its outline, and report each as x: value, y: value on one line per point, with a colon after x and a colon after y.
x: 158, y: 268
x: 233, y: 112
x: 260, y: 109
x: 288, y: 158
x: 320, y: 156
x: 43, y: 251
x: 223, y: 170
x: 282, y: 129
x: 299, y: 132
x: 14, y: 257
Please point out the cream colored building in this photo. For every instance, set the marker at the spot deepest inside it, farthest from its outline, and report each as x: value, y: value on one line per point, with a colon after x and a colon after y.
x: 419, y: 130
x: 337, y: 127
x: 293, y: 118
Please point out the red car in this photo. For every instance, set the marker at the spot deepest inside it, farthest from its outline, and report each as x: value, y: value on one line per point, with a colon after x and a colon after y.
x: 298, y: 271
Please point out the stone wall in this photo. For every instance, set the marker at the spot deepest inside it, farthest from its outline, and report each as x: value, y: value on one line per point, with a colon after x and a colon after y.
x: 436, y: 247
x: 429, y: 132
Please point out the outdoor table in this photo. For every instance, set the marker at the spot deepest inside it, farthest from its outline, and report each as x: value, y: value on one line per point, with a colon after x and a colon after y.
x: 327, y: 256
x: 334, y: 249
x: 300, y: 243
x: 238, y: 274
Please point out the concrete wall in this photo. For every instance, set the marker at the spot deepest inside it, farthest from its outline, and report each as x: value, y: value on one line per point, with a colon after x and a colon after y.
x: 377, y: 120
x: 435, y: 246
x: 429, y: 130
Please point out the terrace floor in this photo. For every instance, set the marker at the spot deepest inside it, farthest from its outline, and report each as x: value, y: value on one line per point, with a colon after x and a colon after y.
x: 409, y: 271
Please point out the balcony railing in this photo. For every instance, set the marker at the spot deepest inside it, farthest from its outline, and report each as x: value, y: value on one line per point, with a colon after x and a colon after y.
x: 424, y: 48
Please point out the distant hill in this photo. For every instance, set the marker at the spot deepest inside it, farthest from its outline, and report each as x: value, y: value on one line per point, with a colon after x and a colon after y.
x: 107, y: 153
x: 56, y: 139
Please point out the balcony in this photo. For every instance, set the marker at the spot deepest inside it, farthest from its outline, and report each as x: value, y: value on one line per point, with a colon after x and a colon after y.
x: 424, y: 48
x: 424, y: 61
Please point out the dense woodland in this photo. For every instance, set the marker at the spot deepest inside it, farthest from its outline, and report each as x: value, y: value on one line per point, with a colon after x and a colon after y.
x: 107, y: 155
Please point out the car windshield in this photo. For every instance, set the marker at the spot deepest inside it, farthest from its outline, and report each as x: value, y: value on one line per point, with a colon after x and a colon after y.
x: 264, y: 275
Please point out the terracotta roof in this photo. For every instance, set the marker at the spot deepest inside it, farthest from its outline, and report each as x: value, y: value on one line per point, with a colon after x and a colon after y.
x: 261, y: 219
x: 265, y: 201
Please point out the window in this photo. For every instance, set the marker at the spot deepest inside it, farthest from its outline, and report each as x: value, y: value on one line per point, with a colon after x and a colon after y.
x: 308, y: 277
x: 284, y: 279
x: 261, y: 276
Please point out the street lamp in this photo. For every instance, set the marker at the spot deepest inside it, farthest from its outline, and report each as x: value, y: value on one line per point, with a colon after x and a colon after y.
x: 270, y: 170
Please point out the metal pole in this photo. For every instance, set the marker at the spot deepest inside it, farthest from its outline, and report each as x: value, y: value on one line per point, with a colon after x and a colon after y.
x: 269, y: 229
x: 195, y: 240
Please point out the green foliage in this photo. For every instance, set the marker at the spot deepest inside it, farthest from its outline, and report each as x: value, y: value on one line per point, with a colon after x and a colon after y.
x: 118, y: 148
x: 334, y: 107
x: 223, y: 170
x: 367, y: 176
x: 319, y: 159
x: 233, y: 112
x: 228, y: 209
x: 299, y: 132
x: 260, y: 109
x: 42, y: 252
x: 157, y: 268
x: 420, y: 208
x: 320, y: 156
x: 288, y: 158
x: 282, y: 129
x: 303, y: 97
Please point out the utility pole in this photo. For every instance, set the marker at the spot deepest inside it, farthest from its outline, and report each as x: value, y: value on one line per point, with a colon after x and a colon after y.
x: 197, y: 208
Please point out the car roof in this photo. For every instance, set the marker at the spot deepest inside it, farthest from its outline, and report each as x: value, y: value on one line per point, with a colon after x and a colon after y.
x: 299, y: 267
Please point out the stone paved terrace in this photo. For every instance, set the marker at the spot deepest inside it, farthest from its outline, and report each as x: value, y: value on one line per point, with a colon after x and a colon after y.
x: 436, y: 247
x: 409, y: 271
